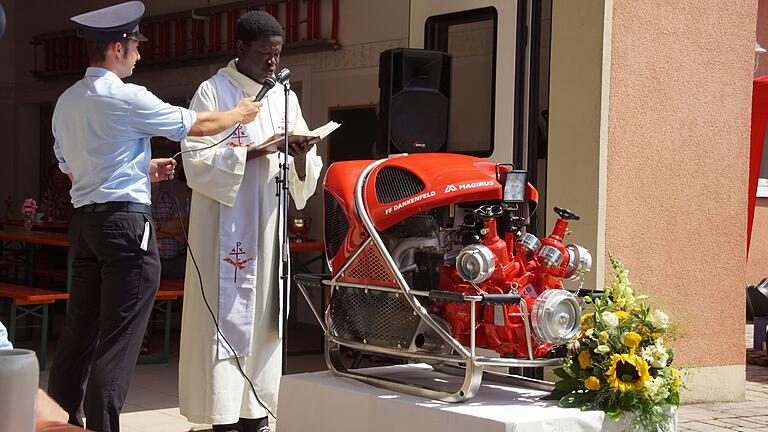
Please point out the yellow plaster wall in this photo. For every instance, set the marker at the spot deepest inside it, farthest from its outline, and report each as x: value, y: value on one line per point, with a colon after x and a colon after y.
x: 678, y: 134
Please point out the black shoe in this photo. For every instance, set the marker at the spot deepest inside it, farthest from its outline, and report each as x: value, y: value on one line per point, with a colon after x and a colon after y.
x: 234, y: 427
x: 255, y: 425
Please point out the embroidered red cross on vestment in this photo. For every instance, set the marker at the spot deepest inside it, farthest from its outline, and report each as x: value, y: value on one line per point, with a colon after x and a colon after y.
x: 238, y: 137
x: 237, y: 263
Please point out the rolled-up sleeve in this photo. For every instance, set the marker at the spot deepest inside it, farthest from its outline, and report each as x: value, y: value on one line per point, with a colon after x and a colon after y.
x: 57, y: 151
x: 157, y: 118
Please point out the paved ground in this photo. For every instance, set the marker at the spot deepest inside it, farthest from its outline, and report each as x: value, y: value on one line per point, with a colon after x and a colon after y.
x: 749, y: 415
x: 152, y: 404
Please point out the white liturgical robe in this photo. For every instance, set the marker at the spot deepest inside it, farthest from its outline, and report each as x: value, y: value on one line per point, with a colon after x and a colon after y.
x: 233, y: 238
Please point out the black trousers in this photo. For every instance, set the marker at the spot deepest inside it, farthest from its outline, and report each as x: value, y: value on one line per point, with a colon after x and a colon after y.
x: 114, y: 282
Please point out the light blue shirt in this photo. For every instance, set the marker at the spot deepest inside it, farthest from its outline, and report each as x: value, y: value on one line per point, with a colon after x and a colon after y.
x: 102, y: 128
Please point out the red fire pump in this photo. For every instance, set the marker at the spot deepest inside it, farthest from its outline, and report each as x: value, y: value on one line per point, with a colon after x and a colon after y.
x: 430, y: 260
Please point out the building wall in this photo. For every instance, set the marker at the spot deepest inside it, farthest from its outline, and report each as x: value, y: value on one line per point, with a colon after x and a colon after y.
x: 347, y: 76
x: 7, y: 94
x: 650, y: 144
x: 677, y: 159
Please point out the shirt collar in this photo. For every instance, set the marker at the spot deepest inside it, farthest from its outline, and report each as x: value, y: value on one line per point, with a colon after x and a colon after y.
x: 98, y: 72
x: 246, y: 84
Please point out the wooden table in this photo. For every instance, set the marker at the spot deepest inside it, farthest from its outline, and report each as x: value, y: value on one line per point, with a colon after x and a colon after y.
x: 32, y: 239
x: 12, y: 233
x: 56, y: 226
x: 307, y: 246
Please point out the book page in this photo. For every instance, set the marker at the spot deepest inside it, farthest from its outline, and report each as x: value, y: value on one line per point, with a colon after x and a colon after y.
x: 320, y: 132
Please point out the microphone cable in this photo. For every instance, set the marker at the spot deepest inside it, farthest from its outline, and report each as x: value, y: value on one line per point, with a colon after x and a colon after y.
x: 181, y: 152
x: 267, y: 85
x: 202, y: 290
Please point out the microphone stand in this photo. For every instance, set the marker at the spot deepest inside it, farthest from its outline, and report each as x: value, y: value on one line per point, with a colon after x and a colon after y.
x: 282, y: 223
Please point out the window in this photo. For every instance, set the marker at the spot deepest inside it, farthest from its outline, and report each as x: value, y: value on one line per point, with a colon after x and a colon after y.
x: 470, y: 38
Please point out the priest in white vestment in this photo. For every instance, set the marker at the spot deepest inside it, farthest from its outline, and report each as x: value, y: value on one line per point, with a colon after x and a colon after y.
x: 233, y: 238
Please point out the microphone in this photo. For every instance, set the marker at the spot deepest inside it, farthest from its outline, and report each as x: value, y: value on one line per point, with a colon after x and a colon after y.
x: 283, y: 75
x: 266, y: 86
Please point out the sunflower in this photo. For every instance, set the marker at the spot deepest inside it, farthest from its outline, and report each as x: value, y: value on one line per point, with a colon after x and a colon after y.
x: 627, y: 372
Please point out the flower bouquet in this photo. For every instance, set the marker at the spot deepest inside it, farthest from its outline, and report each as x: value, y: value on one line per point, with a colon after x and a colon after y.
x: 620, y: 362
x: 28, y: 209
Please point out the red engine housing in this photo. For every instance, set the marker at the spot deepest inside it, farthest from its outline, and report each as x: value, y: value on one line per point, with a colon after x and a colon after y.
x: 403, y: 187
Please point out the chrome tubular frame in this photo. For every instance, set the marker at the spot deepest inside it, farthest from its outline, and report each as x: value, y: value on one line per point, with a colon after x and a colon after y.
x: 462, y: 361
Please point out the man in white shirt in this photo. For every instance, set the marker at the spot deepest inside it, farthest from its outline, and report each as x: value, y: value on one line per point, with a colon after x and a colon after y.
x: 233, y: 240
x: 102, y: 128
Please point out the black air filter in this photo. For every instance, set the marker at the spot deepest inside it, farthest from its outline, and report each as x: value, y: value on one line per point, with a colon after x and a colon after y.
x: 395, y: 184
x: 336, y: 225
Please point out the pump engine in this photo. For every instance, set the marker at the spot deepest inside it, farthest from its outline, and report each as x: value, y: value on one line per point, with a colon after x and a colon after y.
x: 430, y: 260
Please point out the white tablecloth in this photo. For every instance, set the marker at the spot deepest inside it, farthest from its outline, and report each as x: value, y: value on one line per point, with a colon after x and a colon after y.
x: 321, y: 402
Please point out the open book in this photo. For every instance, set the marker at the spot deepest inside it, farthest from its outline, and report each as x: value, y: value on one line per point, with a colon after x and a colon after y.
x: 319, y: 133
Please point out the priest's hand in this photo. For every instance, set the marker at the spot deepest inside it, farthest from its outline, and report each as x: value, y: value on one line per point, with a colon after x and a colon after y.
x: 161, y: 169
x: 298, y: 146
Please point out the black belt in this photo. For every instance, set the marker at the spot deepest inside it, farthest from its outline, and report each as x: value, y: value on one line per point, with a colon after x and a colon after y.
x: 115, y: 206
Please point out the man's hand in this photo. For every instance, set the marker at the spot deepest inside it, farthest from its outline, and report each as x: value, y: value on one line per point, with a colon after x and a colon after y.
x: 247, y: 109
x: 161, y: 169
x: 48, y: 412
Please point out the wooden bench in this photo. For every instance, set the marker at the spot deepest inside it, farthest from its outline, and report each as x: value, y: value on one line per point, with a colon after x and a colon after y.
x: 34, y: 302
x: 170, y: 290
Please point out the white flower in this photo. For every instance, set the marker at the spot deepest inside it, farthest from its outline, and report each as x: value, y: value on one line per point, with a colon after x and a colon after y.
x: 658, y: 319
x: 656, y: 390
x: 660, y: 359
x: 610, y: 319
x: 655, y: 355
x: 647, y: 354
x: 573, y: 344
x: 602, y: 349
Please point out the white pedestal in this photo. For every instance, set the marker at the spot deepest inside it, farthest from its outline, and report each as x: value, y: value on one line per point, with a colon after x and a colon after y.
x: 321, y: 402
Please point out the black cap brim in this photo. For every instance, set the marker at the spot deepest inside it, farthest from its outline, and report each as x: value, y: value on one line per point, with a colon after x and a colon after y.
x: 137, y: 36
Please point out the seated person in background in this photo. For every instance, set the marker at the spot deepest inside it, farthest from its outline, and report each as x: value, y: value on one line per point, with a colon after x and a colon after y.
x: 56, y: 202
x: 48, y: 412
x: 170, y: 236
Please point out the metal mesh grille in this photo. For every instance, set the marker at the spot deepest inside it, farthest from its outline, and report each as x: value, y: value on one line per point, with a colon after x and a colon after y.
x: 336, y: 225
x: 369, y: 266
x: 376, y: 318
x: 395, y: 184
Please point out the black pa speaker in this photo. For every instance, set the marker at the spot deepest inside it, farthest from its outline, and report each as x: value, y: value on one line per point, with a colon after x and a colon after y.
x: 414, y: 107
